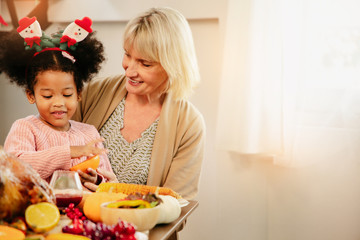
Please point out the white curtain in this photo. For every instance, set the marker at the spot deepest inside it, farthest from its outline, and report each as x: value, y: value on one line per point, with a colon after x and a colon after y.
x: 291, y: 80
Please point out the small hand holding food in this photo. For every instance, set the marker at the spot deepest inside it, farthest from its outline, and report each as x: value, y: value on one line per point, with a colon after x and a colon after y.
x: 87, y: 169
x: 89, y: 150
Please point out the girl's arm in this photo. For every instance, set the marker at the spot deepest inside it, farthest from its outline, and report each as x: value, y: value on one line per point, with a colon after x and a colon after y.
x: 24, y: 141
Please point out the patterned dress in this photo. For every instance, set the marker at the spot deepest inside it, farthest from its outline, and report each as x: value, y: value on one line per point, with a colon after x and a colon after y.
x: 130, y: 161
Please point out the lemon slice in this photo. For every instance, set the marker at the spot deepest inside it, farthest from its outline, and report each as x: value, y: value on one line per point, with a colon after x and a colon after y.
x: 7, y: 233
x: 42, y: 217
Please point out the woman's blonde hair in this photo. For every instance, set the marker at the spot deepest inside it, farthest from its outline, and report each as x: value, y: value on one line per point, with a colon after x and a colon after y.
x: 163, y: 35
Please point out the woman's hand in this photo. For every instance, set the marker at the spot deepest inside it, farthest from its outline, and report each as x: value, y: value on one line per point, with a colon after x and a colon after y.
x: 107, y: 174
x: 88, y: 150
x: 90, y: 176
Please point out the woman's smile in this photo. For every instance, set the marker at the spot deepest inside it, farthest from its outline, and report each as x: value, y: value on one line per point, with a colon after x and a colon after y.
x: 134, y: 83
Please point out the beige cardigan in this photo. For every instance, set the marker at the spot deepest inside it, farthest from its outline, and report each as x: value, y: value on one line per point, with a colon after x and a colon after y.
x: 178, y: 148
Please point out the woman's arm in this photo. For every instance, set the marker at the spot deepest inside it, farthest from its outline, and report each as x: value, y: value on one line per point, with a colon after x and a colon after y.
x: 185, y: 168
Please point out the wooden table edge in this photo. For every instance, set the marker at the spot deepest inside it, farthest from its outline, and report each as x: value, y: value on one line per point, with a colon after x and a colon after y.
x: 157, y: 233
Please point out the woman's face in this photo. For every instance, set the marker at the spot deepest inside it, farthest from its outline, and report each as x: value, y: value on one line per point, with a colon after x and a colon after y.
x: 144, y: 77
x: 56, y: 98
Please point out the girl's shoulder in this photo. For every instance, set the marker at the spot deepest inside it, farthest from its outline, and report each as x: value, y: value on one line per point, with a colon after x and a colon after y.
x: 76, y: 125
x: 30, y: 120
x: 83, y: 129
x: 31, y: 125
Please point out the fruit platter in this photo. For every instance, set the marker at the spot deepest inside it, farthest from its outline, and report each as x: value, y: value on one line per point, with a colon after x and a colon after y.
x: 116, y: 211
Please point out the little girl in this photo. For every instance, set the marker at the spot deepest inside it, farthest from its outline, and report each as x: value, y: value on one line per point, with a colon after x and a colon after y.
x: 53, y: 79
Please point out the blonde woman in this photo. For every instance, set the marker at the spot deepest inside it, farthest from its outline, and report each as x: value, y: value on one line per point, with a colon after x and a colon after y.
x: 154, y: 135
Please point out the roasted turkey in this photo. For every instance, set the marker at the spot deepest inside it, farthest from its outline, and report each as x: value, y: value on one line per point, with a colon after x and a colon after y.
x: 20, y: 186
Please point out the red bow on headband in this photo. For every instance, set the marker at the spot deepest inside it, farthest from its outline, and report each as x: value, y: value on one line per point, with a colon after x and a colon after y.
x: 2, y: 21
x: 31, y: 41
x: 70, y: 41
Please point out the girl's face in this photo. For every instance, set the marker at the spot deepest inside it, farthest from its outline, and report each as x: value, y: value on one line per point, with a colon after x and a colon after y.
x: 145, y: 78
x: 56, y: 98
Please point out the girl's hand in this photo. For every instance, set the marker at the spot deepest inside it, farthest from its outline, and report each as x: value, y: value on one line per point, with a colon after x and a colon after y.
x: 107, y: 174
x: 87, y: 150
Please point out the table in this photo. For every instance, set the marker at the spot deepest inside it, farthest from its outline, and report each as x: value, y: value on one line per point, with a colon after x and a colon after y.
x: 170, y: 231
x: 159, y: 232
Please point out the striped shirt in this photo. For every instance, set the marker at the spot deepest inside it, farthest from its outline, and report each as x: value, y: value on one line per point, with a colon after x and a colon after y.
x: 47, y: 149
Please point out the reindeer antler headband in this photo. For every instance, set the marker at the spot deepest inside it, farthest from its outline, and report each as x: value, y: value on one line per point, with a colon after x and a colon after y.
x: 35, y: 38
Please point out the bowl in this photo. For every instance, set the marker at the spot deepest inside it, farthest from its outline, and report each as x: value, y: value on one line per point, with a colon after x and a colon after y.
x: 143, y: 218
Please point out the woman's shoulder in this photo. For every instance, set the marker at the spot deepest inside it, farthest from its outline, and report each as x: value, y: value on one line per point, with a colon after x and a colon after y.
x: 103, y: 88
x: 185, y: 110
x: 188, y: 108
x: 106, y: 82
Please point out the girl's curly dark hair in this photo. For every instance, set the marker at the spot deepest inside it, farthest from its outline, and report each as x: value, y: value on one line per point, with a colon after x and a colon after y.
x: 22, y: 66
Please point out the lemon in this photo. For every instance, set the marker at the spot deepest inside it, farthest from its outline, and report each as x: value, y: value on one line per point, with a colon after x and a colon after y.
x: 42, y: 217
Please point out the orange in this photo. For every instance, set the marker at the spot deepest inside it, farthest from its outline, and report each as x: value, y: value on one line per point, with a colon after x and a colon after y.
x: 7, y: 233
x: 89, y: 163
x: 42, y: 217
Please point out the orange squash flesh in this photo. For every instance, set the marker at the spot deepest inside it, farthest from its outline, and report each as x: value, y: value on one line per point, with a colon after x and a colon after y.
x: 89, y: 163
x: 92, y: 203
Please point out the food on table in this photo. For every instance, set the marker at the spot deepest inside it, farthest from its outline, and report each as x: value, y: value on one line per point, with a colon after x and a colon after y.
x: 144, y: 219
x: 77, y: 227
x: 170, y: 209
x: 139, y: 203
x: 42, y: 217
x: 91, y: 207
x: 140, y: 210
x: 20, y: 186
x: 89, y: 163
x: 120, y: 230
x: 136, y: 188
x: 72, y: 212
x: 7, y: 233
x: 65, y: 236
x: 136, y: 200
x: 19, y: 223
